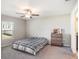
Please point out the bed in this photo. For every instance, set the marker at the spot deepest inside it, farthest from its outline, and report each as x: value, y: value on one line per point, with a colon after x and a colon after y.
x: 30, y: 45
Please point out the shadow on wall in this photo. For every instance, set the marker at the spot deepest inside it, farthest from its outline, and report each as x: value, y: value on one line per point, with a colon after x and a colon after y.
x: 67, y: 40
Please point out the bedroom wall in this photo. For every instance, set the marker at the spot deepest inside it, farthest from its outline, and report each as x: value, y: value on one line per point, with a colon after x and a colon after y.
x: 73, y: 30
x: 42, y: 26
x: 19, y: 29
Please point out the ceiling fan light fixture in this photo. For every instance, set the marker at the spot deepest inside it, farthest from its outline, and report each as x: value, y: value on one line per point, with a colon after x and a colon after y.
x: 27, y: 16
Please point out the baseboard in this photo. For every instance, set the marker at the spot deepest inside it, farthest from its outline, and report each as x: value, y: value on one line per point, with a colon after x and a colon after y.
x: 5, y: 46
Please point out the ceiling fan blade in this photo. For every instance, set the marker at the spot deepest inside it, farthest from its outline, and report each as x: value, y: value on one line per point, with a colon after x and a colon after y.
x: 22, y: 16
x: 19, y: 13
x: 35, y: 14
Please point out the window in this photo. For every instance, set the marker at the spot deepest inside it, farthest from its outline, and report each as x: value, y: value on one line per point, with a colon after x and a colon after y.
x: 7, y: 29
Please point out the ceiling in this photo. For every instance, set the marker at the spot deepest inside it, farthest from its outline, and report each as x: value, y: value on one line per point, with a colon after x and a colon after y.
x: 45, y: 7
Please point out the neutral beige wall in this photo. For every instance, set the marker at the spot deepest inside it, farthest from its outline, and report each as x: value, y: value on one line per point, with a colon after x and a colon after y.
x: 42, y: 26
x: 19, y: 28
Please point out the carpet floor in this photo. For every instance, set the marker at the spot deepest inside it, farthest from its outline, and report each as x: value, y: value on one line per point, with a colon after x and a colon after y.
x: 48, y: 52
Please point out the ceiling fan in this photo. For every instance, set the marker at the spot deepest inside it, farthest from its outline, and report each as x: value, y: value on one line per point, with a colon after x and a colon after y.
x: 28, y: 13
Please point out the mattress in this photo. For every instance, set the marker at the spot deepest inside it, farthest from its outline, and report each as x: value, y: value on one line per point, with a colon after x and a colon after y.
x: 31, y: 45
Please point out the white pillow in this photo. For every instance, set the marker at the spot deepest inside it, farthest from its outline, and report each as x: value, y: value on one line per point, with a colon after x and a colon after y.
x: 20, y: 47
x: 15, y: 46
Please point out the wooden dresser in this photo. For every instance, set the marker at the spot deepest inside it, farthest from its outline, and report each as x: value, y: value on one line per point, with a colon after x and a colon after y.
x: 56, y: 39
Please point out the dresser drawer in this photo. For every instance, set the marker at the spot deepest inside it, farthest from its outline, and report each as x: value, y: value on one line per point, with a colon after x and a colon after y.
x: 56, y: 36
x: 55, y: 41
x: 57, y: 44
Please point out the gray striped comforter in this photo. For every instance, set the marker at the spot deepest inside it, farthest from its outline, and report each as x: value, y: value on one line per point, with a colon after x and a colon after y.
x: 31, y: 45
